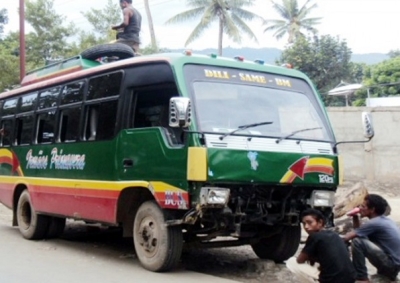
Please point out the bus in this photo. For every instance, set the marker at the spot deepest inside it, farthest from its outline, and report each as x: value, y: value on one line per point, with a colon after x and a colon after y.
x: 175, y: 149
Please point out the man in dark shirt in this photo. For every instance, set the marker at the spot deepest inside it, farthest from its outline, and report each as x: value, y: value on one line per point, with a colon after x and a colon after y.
x: 131, y: 26
x: 378, y: 240
x: 326, y: 248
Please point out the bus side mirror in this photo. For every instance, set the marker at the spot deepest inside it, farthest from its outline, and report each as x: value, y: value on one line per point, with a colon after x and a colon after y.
x: 180, y: 112
x: 367, y: 125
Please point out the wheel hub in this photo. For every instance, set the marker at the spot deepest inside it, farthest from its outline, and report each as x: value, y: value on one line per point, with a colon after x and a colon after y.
x: 148, y: 236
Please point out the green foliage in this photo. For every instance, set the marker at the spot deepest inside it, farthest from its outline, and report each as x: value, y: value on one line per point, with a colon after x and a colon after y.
x: 326, y: 60
x: 294, y: 20
x: 102, y: 20
x: 394, y: 53
x: 9, y: 64
x: 3, y: 19
x: 49, y: 38
x: 381, y: 80
x: 228, y: 13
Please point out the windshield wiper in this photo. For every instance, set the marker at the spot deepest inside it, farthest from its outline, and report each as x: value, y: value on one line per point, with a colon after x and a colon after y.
x: 244, y: 127
x: 296, y: 132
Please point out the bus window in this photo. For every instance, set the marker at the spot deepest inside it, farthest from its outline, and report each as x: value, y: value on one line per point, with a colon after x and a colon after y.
x: 10, y: 107
x: 72, y: 93
x: 28, y: 102
x: 24, y: 127
x: 5, y: 132
x: 101, y: 120
x: 104, y: 86
x: 45, y: 127
x: 49, y: 98
x: 69, y: 130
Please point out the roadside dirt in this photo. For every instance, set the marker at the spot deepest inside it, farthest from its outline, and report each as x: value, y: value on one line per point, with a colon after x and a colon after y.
x: 238, y: 263
x: 241, y: 264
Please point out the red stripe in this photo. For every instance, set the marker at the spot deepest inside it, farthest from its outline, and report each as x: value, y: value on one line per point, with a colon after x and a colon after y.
x: 6, y: 159
x: 319, y: 169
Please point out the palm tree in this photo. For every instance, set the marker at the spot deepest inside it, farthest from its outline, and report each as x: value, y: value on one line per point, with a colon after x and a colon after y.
x: 151, y: 25
x: 229, y: 14
x: 294, y: 20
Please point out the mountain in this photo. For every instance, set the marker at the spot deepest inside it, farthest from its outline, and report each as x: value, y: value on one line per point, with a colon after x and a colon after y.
x: 270, y: 55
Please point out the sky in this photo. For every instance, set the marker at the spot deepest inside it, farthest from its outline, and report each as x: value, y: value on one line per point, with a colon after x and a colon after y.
x: 368, y: 26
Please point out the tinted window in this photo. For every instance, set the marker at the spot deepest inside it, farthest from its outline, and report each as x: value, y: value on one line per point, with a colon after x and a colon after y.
x: 104, y: 86
x: 101, y: 119
x: 24, y: 130
x: 28, y: 102
x: 70, y: 124
x: 10, y: 107
x: 49, y: 98
x: 5, y: 132
x: 72, y: 93
x: 46, y: 127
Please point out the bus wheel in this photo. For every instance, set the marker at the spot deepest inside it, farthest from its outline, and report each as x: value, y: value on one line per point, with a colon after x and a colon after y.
x: 56, y: 227
x: 120, y: 50
x: 157, y: 246
x: 31, y: 225
x: 279, y: 247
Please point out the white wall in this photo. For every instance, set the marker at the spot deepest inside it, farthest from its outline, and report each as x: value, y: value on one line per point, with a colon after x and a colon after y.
x: 377, y: 160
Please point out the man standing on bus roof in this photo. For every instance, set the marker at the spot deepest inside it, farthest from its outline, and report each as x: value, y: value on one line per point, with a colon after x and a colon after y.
x: 131, y: 25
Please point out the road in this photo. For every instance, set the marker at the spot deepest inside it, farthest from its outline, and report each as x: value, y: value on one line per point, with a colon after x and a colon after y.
x: 98, y: 255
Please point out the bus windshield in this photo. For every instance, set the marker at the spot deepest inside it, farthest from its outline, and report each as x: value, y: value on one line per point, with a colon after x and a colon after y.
x: 223, y: 106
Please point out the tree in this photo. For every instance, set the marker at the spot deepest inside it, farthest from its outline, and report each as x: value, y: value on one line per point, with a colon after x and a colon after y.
x: 294, y: 20
x: 102, y: 20
x: 49, y: 38
x: 230, y: 15
x: 3, y: 19
x: 151, y: 25
x: 394, y: 53
x: 9, y: 62
x: 325, y: 59
x: 381, y: 80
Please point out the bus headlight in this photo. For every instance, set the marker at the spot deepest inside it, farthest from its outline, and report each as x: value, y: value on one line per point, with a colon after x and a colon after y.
x: 322, y: 199
x: 213, y: 196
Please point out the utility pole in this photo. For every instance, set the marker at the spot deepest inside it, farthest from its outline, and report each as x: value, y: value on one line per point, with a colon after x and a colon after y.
x: 22, y: 39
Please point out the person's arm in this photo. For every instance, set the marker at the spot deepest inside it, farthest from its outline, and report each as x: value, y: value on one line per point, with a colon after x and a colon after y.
x: 356, y: 221
x: 126, y: 15
x: 349, y: 236
x: 302, y: 258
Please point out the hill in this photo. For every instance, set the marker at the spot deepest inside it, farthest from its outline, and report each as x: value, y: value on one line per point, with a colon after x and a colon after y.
x: 270, y: 55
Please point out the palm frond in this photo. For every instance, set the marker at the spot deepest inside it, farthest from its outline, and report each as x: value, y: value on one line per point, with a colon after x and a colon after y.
x: 244, y: 27
x: 196, y: 33
x: 185, y: 16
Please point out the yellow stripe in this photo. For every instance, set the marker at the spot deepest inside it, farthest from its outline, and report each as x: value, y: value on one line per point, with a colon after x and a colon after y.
x: 320, y: 161
x: 341, y: 169
x: 197, y: 164
x: 89, y: 184
x: 286, y: 177
x: 6, y: 153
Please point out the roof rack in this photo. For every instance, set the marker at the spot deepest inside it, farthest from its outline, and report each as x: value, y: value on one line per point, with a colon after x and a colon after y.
x: 64, y: 67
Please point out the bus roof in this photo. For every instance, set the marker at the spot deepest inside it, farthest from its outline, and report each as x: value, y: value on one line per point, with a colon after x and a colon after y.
x: 77, y: 67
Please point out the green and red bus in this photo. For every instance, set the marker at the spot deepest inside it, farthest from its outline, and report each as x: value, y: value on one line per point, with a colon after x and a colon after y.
x: 176, y: 149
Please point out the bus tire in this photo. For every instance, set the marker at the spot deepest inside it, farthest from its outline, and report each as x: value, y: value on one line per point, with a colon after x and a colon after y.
x: 120, y: 50
x: 279, y: 247
x: 157, y: 246
x: 56, y: 227
x: 31, y: 225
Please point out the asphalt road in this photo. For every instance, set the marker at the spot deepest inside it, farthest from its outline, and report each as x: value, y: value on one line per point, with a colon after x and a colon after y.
x: 82, y: 255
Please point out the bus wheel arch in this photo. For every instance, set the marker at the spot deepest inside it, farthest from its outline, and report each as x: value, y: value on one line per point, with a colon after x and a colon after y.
x: 31, y: 225
x: 129, y: 202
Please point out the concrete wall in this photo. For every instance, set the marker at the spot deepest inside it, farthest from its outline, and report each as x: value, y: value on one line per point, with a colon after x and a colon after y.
x: 377, y: 160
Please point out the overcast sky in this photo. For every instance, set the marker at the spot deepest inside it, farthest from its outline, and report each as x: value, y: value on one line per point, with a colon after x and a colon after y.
x: 367, y: 25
